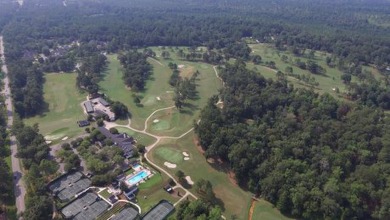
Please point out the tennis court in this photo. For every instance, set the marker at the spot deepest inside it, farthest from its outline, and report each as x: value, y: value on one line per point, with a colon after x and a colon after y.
x: 127, y: 213
x: 67, y: 186
x: 87, y: 206
x: 160, y: 211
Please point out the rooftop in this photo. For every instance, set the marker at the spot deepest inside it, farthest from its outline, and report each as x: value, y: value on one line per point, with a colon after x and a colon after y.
x: 87, y: 206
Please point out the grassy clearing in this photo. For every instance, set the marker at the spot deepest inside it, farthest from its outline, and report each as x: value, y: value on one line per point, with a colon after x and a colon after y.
x: 327, y: 82
x: 265, y: 211
x: 141, y: 138
x: 157, y: 86
x: 64, y: 107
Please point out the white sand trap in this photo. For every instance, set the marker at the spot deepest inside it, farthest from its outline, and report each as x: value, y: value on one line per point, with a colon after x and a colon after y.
x: 156, y: 121
x: 189, y: 180
x: 185, y: 154
x: 186, y: 158
x: 65, y: 138
x: 181, y: 66
x: 158, y: 98
x: 170, y: 165
x: 48, y: 142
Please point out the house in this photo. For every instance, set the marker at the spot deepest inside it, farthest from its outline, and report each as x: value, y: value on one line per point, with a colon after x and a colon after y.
x: 123, y: 141
x: 88, y: 107
x: 130, y: 193
x: 83, y: 123
x: 103, y: 102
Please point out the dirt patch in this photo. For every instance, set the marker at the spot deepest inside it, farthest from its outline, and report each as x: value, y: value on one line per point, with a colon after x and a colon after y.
x: 187, y: 72
x: 232, y: 178
x: 251, y: 209
x: 200, y: 149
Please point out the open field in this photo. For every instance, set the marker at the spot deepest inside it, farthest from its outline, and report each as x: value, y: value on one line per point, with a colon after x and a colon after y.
x: 327, y: 82
x: 64, y: 107
x: 139, y: 137
x: 235, y: 200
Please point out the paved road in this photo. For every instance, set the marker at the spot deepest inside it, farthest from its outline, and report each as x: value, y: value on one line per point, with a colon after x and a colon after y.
x: 19, y: 188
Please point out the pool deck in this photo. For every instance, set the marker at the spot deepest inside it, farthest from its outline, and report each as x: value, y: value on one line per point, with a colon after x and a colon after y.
x: 138, y: 169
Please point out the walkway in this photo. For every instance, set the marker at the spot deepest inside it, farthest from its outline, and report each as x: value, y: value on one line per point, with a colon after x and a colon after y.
x: 19, y: 188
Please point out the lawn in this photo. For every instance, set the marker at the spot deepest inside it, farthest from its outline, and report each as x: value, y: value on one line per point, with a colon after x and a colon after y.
x: 64, y: 107
x: 235, y: 200
x: 151, y: 193
x: 327, y: 82
x: 105, y: 194
x: 139, y: 137
x: 265, y: 211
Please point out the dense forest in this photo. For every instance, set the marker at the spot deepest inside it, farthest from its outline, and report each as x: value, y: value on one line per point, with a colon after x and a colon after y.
x: 311, y: 155
x: 39, y: 28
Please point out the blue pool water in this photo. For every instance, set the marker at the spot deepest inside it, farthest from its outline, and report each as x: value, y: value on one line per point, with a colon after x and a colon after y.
x: 137, y: 178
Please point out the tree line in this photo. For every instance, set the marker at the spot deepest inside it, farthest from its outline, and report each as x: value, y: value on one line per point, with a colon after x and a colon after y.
x: 312, y: 156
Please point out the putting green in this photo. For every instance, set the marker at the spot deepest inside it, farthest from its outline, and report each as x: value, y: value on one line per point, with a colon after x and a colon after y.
x: 170, y: 155
x: 161, y: 125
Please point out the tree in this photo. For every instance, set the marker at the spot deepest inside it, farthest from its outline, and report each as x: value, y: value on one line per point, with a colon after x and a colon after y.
x: 346, y: 78
x: 114, y: 131
x: 180, y: 175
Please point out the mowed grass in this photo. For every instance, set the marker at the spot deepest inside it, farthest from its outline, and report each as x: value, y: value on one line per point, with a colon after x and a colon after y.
x: 139, y: 137
x: 327, y: 82
x: 235, y: 200
x: 113, y: 85
x: 170, y: 154
x: 64, y: 107
x: 266, y: 211
x: 151, y: 193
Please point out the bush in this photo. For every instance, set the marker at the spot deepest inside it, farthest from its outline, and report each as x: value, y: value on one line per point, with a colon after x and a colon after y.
x: 114, y: 131
x: 100, y: 122
x: 66, y: 146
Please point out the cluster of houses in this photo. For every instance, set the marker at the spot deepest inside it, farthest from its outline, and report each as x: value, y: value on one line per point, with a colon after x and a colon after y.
x: 122, y: 140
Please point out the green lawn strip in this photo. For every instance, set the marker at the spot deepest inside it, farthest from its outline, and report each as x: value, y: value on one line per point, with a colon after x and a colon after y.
x: 116, y: 209
x: 9, y: 162
x: 235, y: 200
x: 64, y: 107
x: 139, y: 137
x: 105, y: 194
x: 129, y: 171
x: 156, y: 179
x: 113, y: 85
x: 266, y: 211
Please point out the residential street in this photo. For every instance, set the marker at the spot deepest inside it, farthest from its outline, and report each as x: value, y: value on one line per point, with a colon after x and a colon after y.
x: 19, y: 188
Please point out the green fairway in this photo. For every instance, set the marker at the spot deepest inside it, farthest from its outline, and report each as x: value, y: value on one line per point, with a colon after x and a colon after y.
x: 265, y: 211
x: 139, y: 137
x: 64, y: 107
x: 169, y: 154
x: 154, y: 97
x: 235, y: 200
x: 327, y: 83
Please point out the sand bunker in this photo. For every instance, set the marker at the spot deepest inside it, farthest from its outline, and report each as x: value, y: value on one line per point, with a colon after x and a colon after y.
x: 48, y: 142
x: 156, y: 121
x: 65, y: 138
x: 170, y: 165
x: 158, y: 98
x: 186, y: 158
x: 181, y: 66
x: 185, y: 154
x: 189, y: 180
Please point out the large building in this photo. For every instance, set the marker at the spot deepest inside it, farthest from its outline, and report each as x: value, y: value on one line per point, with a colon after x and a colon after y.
x: 67, y: 186
x: 98, y: 107
x: 123, y: 141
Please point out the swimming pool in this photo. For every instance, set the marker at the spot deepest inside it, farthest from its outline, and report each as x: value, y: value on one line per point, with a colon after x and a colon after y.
x: 137, y: 177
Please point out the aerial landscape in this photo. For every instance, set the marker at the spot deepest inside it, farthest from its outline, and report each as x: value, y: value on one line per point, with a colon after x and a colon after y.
x: 194, y: 109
